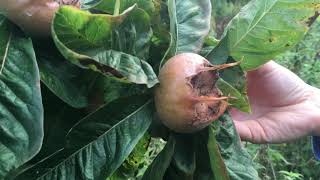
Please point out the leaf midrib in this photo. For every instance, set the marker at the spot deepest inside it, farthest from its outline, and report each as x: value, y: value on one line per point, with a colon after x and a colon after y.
x: 5, y: 53
x: 104, y: 134
x: 252, y: 27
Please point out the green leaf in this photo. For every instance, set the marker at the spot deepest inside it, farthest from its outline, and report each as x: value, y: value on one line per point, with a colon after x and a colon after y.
x: 99, y: 143
x: 111, y: 45
x: 236, y: 99
x: 21, y: 111
x: 109, y: 5
x: 59, y: 118
x: 158, y: 168
x: 189, y: 24
x: 203, y: 167
x: 65, y: 80
x: 183, y: 163
x: 264, y: 29
x: 134, y: 161
x: 217, y: 164
x: 137, y: 156
x: 184, y: 155
x: 232, y: 152
x: 113, y: 89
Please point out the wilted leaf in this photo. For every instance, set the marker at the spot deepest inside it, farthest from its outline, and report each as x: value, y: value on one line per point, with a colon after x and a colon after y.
x: 21, y: 111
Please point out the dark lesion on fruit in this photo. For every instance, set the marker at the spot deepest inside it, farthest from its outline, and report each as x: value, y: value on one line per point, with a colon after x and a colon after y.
x: 204, y: 91
x: 204, y: 83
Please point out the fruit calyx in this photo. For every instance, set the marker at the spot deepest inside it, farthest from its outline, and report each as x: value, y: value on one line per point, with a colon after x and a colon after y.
x: 187, y: 99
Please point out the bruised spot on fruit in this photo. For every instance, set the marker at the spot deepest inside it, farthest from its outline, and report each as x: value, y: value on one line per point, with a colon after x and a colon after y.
x: 204, y: 85
x: 201, y: 112
x: 187, y: 99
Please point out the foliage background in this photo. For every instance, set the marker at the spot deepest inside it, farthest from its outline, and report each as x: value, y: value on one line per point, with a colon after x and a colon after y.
x: 288, y: 161
x: 294, y: 160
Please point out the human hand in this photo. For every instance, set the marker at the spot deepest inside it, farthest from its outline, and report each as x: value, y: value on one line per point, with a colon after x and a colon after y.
x: 284, y: 108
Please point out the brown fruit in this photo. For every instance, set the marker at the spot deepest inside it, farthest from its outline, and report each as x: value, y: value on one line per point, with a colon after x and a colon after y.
x: 187, y: 99
x: 33, y: 16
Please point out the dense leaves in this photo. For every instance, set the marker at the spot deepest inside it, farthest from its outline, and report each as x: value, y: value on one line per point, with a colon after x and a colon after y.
x: 99, y: 70
x: 263, y: 29
x: 21, y: 111
x: 98, y: 144
x: 111, y: 45
x: 109, y: 6
x: 158, y: 168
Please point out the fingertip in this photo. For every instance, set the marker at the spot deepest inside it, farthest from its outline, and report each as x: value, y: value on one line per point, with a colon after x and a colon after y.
x: 243, y: 131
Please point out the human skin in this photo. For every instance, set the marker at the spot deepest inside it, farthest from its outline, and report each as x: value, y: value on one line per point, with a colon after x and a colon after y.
x: 284, y: 108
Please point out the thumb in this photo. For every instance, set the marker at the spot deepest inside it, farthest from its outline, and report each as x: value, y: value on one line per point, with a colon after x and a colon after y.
x: 251, y: 130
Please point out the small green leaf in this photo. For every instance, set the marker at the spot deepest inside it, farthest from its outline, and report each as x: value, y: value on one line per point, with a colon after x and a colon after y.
x: 236, y: 99
x: 111, y: 45
x: 157, y: 169
x: 21, y: 110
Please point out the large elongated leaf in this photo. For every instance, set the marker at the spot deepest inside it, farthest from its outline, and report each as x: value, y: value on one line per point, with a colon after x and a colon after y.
x: 217, y: 164
x: 21, y: 111
x: 203, y: 167
x: 189, y: 24
x: 111, y: 45
x: 263, y: 29
x: 98, y: 144
x: 232, y: 152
